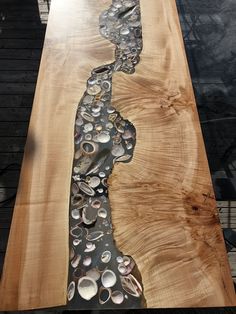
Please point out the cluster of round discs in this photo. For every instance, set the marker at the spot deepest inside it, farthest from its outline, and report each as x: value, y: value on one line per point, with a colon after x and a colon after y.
x: 121, y: 24
x: 98, y: 273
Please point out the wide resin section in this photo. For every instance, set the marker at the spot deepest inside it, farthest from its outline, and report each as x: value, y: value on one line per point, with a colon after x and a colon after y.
x: 100, y: 276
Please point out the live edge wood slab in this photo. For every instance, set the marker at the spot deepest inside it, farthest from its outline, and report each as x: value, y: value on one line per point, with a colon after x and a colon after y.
x: 163, y: 207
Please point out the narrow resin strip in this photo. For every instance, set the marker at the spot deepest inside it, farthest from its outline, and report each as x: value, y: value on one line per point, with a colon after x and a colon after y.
x: 99, y: 275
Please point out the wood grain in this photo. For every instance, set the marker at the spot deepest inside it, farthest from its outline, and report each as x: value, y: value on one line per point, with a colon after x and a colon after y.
x: 164, y: 212
x: 18, y: 67
x: 169, y: 222
x: 36, y: 262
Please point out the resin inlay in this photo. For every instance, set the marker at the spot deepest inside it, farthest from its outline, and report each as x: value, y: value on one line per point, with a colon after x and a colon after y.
x: 100, y: 276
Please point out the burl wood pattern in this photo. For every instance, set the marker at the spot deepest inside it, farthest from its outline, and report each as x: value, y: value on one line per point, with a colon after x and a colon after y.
x: 170, y: 212
x: 163, y: 206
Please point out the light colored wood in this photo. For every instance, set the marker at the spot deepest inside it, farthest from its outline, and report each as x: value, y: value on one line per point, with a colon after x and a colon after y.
x: 169, y: 222
x: 178, y: 248
x: 36, y: 262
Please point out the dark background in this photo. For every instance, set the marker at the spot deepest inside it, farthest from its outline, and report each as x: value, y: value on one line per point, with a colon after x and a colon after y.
x: 22, y: 31
x: 209, y: 31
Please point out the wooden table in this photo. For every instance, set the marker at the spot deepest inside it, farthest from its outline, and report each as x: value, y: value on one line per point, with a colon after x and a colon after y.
x: 164, y: 211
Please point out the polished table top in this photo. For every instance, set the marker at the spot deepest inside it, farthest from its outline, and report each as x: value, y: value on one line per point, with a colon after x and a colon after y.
x: 163, y: 208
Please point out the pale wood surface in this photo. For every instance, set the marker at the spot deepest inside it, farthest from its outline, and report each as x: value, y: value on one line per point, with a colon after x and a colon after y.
x: 170, y: 213
x: 22, y: 36
x: 178, y: 248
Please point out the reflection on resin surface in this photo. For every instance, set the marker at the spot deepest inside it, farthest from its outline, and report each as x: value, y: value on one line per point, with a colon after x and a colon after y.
x: 100, y: 276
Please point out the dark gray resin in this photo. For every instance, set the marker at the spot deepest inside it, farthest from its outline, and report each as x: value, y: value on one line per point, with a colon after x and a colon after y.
x: 100, y: 276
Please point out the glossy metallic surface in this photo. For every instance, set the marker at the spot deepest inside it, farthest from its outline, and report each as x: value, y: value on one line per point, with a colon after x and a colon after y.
x: 103, y: 276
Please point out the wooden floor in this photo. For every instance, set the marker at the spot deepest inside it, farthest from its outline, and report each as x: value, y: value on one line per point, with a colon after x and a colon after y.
x: 228, y: 220
x: 22, y: 29
x: 211, y: 64
x: 209, y: 33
